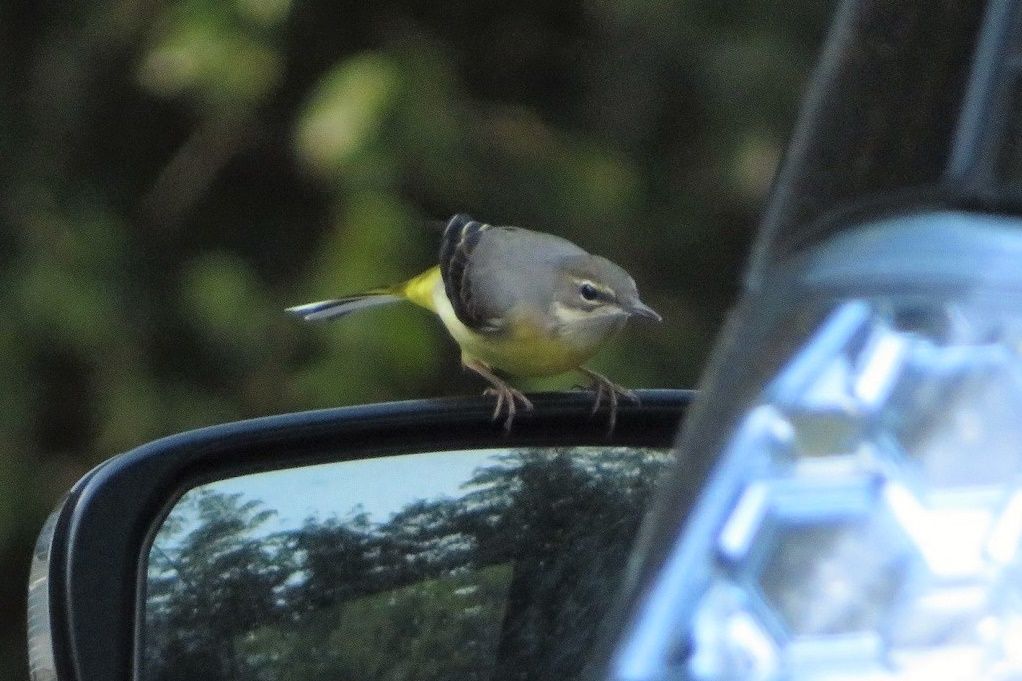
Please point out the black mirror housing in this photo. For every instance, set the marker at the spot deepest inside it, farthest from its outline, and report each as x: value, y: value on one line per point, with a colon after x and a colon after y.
x: 90, y: 568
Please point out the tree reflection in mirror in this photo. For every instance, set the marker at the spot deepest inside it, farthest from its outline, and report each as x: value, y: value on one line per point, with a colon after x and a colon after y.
x: 461, y: 566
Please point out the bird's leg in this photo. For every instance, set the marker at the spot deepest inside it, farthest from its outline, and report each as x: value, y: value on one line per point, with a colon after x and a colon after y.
x: 506, y: 395
x: 604, y: 386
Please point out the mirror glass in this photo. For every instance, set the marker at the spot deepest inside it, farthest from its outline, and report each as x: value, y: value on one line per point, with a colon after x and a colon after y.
x: 468, y: 565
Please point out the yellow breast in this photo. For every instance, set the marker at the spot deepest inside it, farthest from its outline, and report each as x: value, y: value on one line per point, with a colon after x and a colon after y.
x: 526, y: 351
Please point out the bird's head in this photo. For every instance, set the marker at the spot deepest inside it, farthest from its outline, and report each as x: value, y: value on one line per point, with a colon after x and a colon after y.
x: 593, y: 291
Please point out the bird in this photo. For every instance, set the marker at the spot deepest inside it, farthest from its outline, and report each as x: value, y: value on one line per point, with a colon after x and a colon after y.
x: 518, y: 301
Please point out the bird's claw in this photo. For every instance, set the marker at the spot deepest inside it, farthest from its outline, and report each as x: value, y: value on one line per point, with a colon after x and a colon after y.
x: 506, y: 401
x: 603, y: 386
x: 508, y: 398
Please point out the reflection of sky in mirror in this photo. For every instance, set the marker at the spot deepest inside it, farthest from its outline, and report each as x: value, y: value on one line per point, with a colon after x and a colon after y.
x: 381, y: 486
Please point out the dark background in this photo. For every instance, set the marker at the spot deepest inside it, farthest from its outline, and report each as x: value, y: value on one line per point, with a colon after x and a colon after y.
x: 174, y: 174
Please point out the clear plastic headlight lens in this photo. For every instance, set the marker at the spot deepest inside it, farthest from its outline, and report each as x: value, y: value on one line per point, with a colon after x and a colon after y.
x: 864, y: 517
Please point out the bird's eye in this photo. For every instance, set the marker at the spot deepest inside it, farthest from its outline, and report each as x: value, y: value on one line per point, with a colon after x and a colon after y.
x: 588, y: 292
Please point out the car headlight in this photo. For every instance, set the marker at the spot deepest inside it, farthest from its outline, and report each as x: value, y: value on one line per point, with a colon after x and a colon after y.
x: 863, y: 517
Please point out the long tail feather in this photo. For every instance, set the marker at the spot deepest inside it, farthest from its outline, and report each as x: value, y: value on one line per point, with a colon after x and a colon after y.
x: 324, y: 310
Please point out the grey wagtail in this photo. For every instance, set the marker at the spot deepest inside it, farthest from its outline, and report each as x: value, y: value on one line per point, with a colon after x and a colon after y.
x: 524, y: 302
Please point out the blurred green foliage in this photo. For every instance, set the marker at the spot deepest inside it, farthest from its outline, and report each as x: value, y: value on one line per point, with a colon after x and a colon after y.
x: 175, y: 173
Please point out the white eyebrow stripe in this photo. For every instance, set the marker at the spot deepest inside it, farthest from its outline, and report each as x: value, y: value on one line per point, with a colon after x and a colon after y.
x: 599, y: 287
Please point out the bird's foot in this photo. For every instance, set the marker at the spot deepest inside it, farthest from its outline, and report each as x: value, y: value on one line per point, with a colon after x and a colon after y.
x: 604, y: 387
x: 507, y: 397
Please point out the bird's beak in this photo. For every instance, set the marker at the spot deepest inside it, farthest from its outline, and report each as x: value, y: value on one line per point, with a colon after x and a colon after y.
x: 640, y: 309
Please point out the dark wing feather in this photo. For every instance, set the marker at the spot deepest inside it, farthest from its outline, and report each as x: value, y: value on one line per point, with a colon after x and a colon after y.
x: 460, y: 238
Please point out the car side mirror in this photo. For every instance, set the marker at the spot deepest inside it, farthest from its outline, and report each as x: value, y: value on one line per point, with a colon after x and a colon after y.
x: 403, y: 540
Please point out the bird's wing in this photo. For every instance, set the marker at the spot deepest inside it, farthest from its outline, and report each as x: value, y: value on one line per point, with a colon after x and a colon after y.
x: 491, y: 273
x: 459, y: 241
